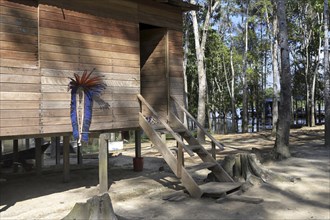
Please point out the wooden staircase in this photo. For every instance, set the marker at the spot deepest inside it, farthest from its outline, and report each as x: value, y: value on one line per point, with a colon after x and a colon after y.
x: 187, y: 143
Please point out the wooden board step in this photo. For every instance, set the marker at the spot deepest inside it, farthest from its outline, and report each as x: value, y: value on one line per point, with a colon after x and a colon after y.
x: 201, y: 166
x: 219, y: 189
x: 163, y: 130
x: 195, y: 148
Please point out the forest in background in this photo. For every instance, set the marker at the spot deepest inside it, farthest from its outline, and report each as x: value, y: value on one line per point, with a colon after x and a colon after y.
x: 233, y: 62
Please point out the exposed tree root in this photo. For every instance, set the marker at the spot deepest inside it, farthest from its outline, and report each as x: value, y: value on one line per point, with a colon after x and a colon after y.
x: 245, y: 167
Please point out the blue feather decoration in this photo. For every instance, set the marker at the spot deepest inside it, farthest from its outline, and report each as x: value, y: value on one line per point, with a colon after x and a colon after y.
x: 73, y: 114
x: 89, y: 89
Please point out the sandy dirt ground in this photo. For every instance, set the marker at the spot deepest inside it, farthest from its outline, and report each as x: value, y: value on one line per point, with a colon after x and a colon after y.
x: 140, y: 195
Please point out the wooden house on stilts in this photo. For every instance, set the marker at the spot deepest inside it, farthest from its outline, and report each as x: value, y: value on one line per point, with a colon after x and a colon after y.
x: 135, y: 44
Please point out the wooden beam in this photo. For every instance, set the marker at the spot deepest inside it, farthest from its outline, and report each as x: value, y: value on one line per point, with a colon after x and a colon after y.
x: 213, y: 150
x: 15, y: 155
x: 137, y: 143
x: 79, y: 155
x: 38, y: 155
x: 66, y: 159
x: 57, y: 150
x: 103, y: 163
x: 27, y: 143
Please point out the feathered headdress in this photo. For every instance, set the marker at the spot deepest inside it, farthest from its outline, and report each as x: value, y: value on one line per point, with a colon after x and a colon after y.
x: 87, y: 88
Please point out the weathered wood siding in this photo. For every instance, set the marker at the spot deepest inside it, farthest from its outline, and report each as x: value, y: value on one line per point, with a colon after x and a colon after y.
x: 153, y: 70
x: 44, y: 42
x: 19, y: 71
x: 150, y: 12
x: 72, y: 41
x: 176, y: 69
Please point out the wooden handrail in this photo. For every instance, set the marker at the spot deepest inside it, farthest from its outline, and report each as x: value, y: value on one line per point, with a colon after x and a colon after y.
x: 176, y: 137
x: 218, y: 144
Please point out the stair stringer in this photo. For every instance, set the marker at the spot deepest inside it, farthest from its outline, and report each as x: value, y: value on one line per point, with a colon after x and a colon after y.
x: 217, y: 170
x: 186, y: 179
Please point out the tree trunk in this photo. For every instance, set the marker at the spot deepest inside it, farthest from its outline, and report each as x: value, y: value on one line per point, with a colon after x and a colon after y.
x: 201, y: 80
x: 281, y: 147
x: 245, y: 86
x: 200, y: 41
x: 233, y: 101
x: 97, y: 207
x: 314, y: 80
x: 326, y: 75
x: 185, y: 61
x: 275, y: 65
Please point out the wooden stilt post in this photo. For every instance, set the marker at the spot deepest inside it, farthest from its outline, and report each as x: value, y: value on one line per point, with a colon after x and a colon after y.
x: 79, y: 155
x: 27, y: 143
x: 1, y: 149
x: 57, y: 150
x: 103, y: 163
x: 15, y: 156
x: 137, y: 143
x: 138, y: 160
x: 38, y: 155
x: 66, y: 158
x: 1, y: 142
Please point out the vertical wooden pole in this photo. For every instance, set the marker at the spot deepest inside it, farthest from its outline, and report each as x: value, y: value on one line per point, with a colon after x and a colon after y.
x: 27, y: 143
x: 15, y: 156
x: 66, y: 158
x: 103, y: 163
x: 1, y: 142
x: 179, y: 160
x: 1, y: 149
x: 79, y: 155
x: 57, y: 150
x: 213, y: 150
x: 38, y: 155
x: 137, y: 143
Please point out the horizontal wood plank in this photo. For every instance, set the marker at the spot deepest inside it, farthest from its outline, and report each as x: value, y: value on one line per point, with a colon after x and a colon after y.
x: 19, y: 122
x: 19, y: 87
x: 11, y: 96
x: 14, y: 131
x: 6, y: 114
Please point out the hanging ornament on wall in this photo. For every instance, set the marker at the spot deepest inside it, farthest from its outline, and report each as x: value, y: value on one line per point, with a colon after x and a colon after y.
x: 84, y: 90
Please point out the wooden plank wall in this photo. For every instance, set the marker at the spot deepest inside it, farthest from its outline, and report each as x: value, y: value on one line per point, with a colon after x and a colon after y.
x: 72, y: 41
x: 161, y: 15
x: 176, y: 69
x: 44, y: 42
x: 19, y: 71
x: 154, y: 84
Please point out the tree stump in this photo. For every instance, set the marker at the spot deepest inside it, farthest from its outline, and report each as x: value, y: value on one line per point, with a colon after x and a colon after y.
x: 245, y: 167
x: 97, y: 207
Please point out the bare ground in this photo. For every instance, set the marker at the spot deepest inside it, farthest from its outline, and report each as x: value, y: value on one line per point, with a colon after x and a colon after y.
x: 139, y: 195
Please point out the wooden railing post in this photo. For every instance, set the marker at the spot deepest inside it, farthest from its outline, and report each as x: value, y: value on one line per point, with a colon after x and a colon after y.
x: 38, y: 156
x: 219, y: 145
x: 180, y: 160
x: 103, y: 163
x: 213, y: 150
x: 66, y: 158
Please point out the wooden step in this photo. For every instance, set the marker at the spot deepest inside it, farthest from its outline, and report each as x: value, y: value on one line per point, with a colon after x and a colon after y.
x: 219, y: 189
x: 201, y: 166
x: 163, y: 130
x: 195, y: 148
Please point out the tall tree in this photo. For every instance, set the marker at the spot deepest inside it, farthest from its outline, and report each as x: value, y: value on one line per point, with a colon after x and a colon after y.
x: 272, y: 29
x: 245, y: 120
x: 200, y: 41
x: 281, y: 147
x: 326, y: 74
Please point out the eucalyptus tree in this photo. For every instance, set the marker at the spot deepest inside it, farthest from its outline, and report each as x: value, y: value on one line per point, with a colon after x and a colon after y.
x: 281, y: 147
x: 201, y: 27
x: 306, y: 19
x: 326, y: 74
